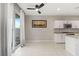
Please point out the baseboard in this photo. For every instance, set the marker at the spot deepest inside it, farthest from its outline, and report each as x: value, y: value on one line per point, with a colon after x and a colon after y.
x: 40, y: 41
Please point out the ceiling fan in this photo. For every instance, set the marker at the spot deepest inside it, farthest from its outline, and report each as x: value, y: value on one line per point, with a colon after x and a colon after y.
x: 37, y: 7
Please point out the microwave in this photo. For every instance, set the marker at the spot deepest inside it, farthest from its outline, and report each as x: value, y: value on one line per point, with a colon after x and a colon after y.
x: 67, y: 26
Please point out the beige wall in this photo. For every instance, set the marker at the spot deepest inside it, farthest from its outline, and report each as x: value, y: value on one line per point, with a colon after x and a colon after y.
x: 39, y: 34
x: 43, y: 34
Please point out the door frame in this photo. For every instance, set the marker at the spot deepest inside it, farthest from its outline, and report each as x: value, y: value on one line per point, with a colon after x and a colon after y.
x: 13, y: 32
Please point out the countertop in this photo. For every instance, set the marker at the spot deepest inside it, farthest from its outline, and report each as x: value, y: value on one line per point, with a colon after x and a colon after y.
x: 62, y: 30
x: 74, y: 36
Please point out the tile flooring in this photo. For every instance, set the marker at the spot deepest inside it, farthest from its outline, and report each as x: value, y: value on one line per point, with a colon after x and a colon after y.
x: 42, y: 49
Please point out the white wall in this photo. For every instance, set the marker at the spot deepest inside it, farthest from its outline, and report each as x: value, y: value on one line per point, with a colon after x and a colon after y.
x: 43, y: 34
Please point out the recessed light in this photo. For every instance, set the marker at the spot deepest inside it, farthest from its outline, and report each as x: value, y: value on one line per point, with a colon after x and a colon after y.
x: 58, y: 9
x: 77, y: 8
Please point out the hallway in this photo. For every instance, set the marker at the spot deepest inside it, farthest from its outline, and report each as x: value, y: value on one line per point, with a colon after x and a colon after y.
x: 42, y: 49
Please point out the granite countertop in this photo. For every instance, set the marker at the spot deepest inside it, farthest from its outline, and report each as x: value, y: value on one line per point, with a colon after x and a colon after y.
x: 66, y: 32
x: 74, y: 36
x: 62, y: 30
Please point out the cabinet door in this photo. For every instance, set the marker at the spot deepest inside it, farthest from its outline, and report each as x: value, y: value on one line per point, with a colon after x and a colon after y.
x: 75, y: 23
x: 61, y: 22
x: 58, y: 24
x: 59, y: 38
x: 56, y: 38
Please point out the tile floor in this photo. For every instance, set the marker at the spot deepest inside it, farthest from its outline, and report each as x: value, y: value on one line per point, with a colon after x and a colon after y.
x: 42, y: 49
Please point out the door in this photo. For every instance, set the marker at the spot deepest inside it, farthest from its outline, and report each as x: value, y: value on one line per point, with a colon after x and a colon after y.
x: 16, y: 32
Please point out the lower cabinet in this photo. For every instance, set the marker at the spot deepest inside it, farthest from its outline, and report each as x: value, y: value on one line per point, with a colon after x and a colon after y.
x: 59, y: 38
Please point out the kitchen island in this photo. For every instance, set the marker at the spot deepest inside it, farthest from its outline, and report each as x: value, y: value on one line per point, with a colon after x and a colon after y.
x: 60, y: 33
x: 72, y: 44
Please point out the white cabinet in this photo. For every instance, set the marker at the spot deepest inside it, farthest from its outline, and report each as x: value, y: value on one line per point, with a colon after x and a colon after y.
x: 61, y: 24
x: 58, y: 23
x: 59, y: 38
x: 75, y: 23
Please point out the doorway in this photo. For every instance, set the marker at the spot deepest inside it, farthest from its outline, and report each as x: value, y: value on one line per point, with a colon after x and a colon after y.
x: 16, y: 32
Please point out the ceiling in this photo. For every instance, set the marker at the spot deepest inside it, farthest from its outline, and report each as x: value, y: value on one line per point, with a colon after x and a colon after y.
x: 52, y: 8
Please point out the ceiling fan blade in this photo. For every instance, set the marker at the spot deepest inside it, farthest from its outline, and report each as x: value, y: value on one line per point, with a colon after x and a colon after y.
x: 31, y: 8
x: 41, y: 5
x: 36, y: 6
x: 39, y: 12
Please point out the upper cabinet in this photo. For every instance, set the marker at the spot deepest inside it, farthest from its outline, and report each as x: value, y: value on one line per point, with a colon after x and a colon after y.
x: 56, y: 24
x: 60, y: 23
x: 75, y: 23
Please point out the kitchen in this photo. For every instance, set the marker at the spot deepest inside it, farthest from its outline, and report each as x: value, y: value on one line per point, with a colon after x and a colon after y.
x: 67, y: 32
x: 62, y: 28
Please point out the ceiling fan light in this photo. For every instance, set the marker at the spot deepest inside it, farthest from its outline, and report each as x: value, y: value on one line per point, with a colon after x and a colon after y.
x: 36, y: 9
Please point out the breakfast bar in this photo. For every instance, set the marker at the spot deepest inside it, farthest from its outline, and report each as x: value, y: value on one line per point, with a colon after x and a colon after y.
x: 72, y: 44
